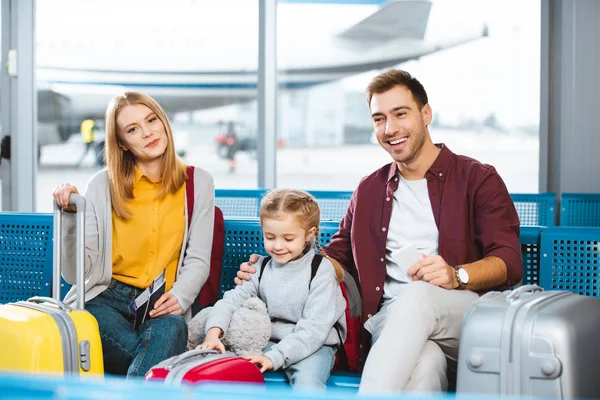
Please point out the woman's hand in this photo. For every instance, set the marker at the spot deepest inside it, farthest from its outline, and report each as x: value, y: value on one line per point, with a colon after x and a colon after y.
x: 166, y: 304
x: 265, y: 362
x: 61, y: 196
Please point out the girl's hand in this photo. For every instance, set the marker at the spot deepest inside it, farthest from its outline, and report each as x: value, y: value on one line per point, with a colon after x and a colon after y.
x: 61, y: 195
x: 265, y: 362
x: 166, y: 304
x: 213, y: 344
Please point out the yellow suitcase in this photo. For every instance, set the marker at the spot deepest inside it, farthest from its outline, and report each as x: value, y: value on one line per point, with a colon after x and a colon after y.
x: 43, y: 335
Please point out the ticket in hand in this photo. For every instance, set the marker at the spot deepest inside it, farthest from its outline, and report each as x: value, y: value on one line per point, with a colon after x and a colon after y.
x: 405, y: 257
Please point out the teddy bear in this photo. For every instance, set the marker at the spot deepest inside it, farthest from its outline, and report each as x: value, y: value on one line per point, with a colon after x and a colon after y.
x: 248, y: 333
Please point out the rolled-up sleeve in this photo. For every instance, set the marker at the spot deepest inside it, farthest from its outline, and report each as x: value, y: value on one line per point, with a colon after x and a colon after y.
x: 497, y: 225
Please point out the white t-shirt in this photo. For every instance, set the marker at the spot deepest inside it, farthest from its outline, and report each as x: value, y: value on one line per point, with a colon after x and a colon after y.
x: 412, y: 222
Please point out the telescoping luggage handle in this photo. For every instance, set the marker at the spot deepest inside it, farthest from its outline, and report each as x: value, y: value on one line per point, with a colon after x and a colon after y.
x: 79, y: 202
x: 515, y: 294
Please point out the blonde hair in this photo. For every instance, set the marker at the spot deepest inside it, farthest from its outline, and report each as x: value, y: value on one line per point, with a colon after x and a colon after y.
x: 305, y: 208
x: 121, y: 164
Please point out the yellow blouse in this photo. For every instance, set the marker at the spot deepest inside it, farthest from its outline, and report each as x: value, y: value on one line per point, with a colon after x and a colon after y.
x: 149, y: 242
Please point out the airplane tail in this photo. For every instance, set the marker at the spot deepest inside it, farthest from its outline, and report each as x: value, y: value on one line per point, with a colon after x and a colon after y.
x: 396, y: 19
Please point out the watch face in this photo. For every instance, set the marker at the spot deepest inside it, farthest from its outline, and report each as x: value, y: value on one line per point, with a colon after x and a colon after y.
x: 463, y: 275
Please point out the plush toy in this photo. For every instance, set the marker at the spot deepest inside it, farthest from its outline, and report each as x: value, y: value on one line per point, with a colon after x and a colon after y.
x: 248, y: 333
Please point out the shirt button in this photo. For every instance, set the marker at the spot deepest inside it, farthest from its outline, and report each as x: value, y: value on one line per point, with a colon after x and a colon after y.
x: 147, y: 272
x: 387, y: 199
x: 369, y: 316
x: 377, y: 288
x: 154, y: 208
x: 382, y: 259
x: 396, y: 180
x: 441, y: 174
x: 153, y: 230
x: 151, y: 251
x: 383, y: 229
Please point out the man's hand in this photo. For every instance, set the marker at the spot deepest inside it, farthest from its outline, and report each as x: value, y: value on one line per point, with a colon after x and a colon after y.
x: 246, y: 269
x: 264, y: 362
x: 434, y: 270
x: 166, y: 304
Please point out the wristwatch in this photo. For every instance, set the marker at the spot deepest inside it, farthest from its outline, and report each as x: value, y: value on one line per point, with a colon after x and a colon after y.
x: 462, y: 276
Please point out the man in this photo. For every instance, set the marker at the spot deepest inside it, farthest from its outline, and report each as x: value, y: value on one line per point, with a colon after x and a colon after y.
x: 459, y: 215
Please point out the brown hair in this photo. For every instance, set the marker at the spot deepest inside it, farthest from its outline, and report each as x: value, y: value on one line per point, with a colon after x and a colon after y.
x: 121, y: 164
x: 397, y: 77
x: 306, y: 210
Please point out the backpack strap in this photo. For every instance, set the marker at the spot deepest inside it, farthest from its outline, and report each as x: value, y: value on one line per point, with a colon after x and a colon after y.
x: 189, y: 193
x: 342, y: 355
x: 262, y: 267
x: 314, y: 266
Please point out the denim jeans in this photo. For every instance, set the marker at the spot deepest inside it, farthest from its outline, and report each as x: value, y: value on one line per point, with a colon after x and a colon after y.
x: 133, y: 352
x: 311, y: 372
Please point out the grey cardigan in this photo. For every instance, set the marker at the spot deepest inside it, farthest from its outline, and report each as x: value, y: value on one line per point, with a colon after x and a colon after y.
x: 194, y: 259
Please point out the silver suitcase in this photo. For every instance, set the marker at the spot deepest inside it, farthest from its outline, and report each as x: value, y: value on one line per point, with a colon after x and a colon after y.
x: 529, y: 342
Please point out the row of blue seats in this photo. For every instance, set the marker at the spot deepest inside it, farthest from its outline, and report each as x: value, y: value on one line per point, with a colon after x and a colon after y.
x: 563, y: 258
x: 576, y: 209
x: 556, y: 258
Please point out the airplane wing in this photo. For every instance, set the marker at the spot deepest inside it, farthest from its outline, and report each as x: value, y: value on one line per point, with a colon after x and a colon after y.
x: 396, y: 19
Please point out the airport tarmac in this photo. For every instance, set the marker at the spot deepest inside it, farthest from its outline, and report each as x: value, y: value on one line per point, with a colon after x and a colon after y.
x: 324, y: 168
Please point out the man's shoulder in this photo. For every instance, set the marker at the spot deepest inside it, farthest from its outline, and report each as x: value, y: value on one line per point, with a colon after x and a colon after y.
x: 376, y: 177
x: 472, y: 167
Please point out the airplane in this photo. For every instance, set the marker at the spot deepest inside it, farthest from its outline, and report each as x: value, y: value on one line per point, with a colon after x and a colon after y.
x: 78, y: 74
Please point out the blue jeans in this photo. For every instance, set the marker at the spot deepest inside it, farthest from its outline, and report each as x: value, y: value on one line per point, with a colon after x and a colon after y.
x: 133, y: 352
x: 311, y: 372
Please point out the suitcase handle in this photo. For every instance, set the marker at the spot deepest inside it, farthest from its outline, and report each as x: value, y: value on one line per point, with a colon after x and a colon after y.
x: 79, y: 202
x: 187, y: 355
x: 515, y: 294
x: 41, y: 299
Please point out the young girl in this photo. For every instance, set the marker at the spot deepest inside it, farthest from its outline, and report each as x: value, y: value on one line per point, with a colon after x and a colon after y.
x: 136, y: 231
x: 307, y: 316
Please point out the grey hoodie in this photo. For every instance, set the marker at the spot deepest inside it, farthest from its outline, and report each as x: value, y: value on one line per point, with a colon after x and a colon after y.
x: 302, y: 319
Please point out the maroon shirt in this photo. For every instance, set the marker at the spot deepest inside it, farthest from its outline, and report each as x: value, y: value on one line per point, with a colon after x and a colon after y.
x: 473, y: 211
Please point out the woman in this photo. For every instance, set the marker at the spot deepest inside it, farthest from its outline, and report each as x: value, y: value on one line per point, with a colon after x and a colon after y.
x: 137, y: 232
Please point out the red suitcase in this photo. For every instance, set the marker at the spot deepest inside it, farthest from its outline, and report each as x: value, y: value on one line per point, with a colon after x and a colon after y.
x: 203, y: 365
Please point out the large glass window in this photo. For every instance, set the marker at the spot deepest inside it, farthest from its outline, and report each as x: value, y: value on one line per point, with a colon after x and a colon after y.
x: 479, y: 62
x: 198, y: 59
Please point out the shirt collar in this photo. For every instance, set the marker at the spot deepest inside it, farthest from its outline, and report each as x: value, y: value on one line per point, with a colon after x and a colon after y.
x: 139, y: 175
x: 439, y: 167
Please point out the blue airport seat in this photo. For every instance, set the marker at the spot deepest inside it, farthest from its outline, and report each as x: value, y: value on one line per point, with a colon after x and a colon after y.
x: 243, y: 237
x: 333, y: 205
x: 570, y: 260
x: 580, y: 209
x: 26, y: 256
x: 530, y: 252
x: 246, y: 203
x: 239, y: 203
x: 349, y: 380
x: 535, y: 209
